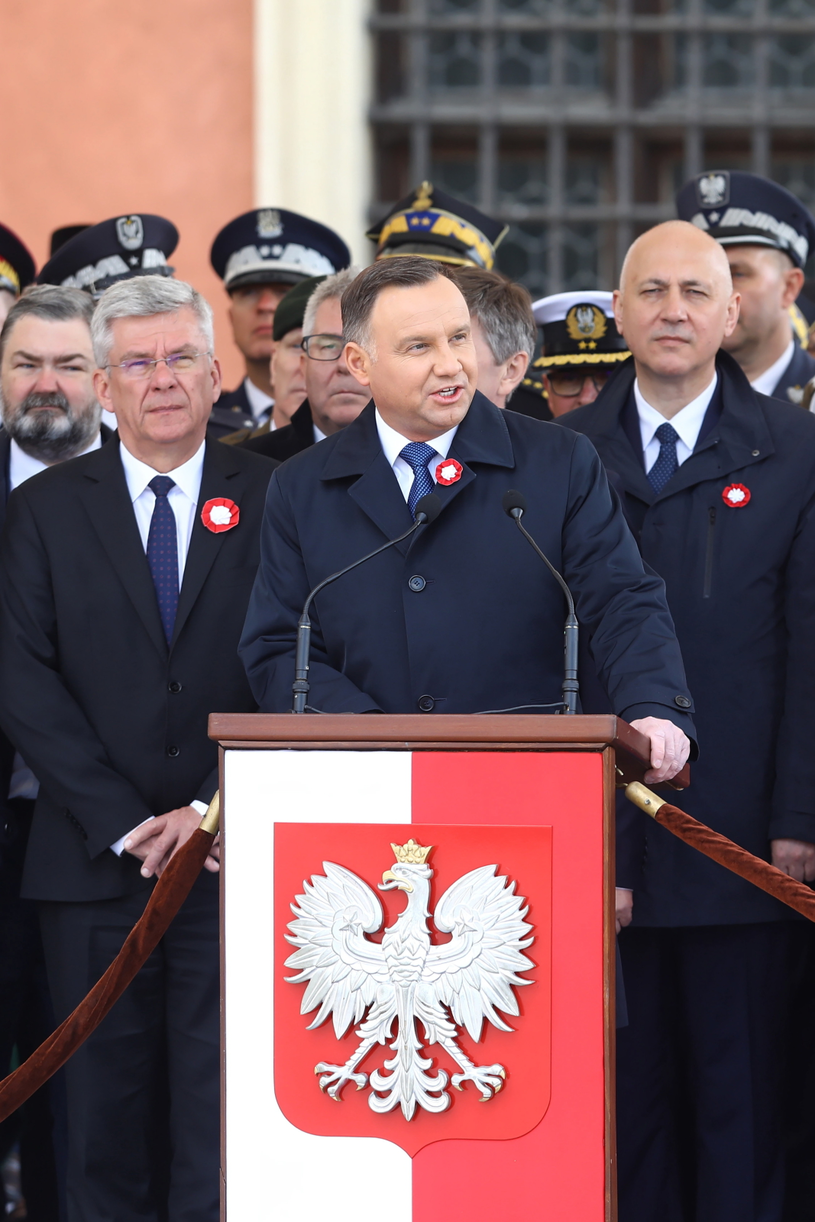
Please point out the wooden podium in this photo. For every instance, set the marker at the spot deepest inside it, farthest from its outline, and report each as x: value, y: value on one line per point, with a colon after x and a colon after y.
x: 532, y: 796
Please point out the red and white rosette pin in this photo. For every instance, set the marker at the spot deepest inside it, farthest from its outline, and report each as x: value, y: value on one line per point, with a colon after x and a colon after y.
x: 448, y: 471
x: 736, y: 496
x: 220, y: 514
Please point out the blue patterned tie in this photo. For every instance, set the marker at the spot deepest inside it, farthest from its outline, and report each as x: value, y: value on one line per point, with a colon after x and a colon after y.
x: 417, y: 454
x: 666, y: 463
x: 162, y: 553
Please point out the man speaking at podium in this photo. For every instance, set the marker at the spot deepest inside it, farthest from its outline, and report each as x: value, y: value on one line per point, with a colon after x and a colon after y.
x: 463, y: 617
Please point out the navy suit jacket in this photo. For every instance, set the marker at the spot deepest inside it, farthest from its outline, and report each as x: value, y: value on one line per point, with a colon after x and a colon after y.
x: 464, y: 617
x: 795, y: 377
x: 741, y: 587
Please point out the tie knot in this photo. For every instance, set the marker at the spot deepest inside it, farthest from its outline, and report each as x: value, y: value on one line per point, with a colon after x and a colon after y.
x: 665, y: 434
x: 417, y: 454
x: 161, y: 484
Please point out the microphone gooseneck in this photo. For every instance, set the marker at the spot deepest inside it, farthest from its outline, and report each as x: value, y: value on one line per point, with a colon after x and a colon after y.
x: 514, y: 506
x: 428, y: 509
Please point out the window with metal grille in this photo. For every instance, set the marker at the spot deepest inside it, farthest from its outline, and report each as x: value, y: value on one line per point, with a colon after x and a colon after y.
x: 575, y: 121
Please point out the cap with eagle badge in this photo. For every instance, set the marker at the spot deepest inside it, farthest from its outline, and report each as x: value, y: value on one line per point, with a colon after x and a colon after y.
x: 433, y: 225
x: 578, y: 329
x: 741, y: 209
x: 117, y: 249
x: 17, y: 268
x: 272, y: 246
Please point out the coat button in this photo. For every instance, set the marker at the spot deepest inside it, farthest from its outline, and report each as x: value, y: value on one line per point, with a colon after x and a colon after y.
x: 417, y: 583
x: 427, y: 704
x: 173, y: 752
x: 682, y: 702
x: 174, y: 686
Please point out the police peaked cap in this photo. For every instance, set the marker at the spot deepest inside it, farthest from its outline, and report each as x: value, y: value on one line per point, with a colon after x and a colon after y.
x: 578, y: 329
x: 433, y: 225
x: 738, y: 209
x: 117, y: 249
x: 62, y: 235
x: 272, y: 246
x: 17, y: 268
x: 291, y: 310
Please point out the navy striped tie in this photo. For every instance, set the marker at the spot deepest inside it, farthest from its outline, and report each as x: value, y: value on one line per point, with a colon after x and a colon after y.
x: 417, y: 454
x: 666, y: 463
x: 162, y: 553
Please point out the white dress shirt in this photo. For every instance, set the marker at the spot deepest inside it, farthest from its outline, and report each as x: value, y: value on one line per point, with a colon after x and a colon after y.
x: 260, y: 404
x: 22, y: 466
x: 767, y: 381
x: 319, y: 435
x: 393, y: 443
x: 687, y: 422
x: 183, y: 500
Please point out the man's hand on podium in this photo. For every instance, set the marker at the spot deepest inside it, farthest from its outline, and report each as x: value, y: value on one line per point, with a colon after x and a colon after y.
x: 670, y: 748
x: 625, y: 907
x: 796, y: 858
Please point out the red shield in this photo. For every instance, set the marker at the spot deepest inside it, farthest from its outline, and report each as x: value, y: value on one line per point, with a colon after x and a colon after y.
x: 524, y: 856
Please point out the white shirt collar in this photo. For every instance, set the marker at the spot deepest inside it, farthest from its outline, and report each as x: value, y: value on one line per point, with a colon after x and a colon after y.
x: 187, y: 477
x: 259, y: 401
x: 22, y: 466
x: 687, y: 421
x: 393, y: 443
x: 319, y: 435
x: 767, y: 381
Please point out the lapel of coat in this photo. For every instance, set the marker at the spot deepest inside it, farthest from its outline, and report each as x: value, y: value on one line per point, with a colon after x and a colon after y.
x: 107, y: 500
x: 217, y: 480
x: 481, y: 437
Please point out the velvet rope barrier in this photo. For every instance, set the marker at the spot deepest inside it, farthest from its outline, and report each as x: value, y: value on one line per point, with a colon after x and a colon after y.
x: 718, y: 848
x: 168, y: 895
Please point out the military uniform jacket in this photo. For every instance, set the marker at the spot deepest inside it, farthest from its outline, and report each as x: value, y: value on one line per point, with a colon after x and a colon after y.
x: 464, y: 617
x: 741, y: 588
x: 282, y: 443
x: 112, y: 722
x: 795, y: 377
x: 231, y: 413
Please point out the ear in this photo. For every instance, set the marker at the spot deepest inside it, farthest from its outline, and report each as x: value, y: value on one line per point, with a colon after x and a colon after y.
x: 217, y: 379
x: 617, y: 305
x: 793, y: 283
x: 513, y: 375
x: 101, y: 388
x: 358, y: 362
x: 732, y: 316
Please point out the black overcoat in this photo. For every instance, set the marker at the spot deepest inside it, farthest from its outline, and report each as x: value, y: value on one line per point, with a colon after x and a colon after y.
x: 741, y: 588
x: 464, y: 618
x: 112, y: 722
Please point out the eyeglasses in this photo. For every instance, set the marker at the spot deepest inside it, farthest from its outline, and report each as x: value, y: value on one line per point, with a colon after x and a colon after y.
x: 569, y: 384
x: 323, y: 347
x: 177, y: 362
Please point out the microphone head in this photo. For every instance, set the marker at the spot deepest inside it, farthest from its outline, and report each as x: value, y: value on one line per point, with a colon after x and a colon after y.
x: 513, y: 503
x: 428, y: 508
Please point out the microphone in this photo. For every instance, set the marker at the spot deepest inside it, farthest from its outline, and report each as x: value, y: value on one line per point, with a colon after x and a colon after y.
x: 428, y: 509
x: 514, y: 505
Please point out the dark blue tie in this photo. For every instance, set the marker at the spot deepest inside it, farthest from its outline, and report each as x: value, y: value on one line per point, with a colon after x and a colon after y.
x: 162, y: 553
x: 417, y: 454
x: 666, y: 463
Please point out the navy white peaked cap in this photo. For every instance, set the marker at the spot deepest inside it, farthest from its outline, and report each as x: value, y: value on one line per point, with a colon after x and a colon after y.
x: 272, y: 246
x: 117, y: 249
x: 578, y: 329
x: 738, y: 209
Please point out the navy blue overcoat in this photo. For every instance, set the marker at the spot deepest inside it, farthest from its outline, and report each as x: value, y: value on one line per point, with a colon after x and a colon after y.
x: 740, y: 577
x: 464, y: 618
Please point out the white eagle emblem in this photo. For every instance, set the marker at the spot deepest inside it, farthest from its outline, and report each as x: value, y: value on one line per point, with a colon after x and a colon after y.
x: 406, y: 979
x: 130, y: 232
x: 712, y: 190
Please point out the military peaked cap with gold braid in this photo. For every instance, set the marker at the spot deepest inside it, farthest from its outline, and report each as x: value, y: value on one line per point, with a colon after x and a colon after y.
x: 17, y: 267
x: 578, y: 329
x: 433, y: 225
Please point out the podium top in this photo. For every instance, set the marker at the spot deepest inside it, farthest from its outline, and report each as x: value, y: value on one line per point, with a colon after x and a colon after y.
x: 419, y: 732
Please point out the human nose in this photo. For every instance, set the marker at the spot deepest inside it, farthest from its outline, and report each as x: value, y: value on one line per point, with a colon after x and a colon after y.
x: 588, y: 394
x: 674, y: 305
x: 46, y: 381
x: 447, y: 360
x: 162, y: 374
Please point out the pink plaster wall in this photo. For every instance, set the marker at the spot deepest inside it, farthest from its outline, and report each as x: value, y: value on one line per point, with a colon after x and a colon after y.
x: 110, y: 107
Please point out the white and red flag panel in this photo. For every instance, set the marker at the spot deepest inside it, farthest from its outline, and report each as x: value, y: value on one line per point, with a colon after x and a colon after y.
x: 414, y: 951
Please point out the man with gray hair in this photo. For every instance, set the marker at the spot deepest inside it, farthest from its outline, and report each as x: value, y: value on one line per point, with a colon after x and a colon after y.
x: 124, y: 577
x: 50, y: 413
x: 333, y: 397
x: 504, y: 331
